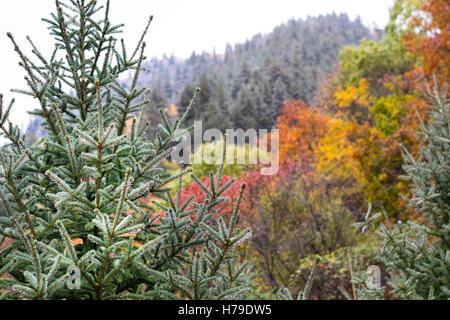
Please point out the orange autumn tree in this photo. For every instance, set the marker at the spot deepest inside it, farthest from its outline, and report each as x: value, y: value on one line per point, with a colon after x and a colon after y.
x: 431, y: 39
x: 300, y: 127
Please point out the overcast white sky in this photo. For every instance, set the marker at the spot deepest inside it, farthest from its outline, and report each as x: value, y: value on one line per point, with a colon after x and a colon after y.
x: 179, y: 27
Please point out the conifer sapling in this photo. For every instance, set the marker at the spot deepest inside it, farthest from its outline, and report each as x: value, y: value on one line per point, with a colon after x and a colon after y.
x: 77, y: 198
x: 416, y: 255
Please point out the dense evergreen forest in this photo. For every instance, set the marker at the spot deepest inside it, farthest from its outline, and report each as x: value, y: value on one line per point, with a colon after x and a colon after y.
x: 255, y: 77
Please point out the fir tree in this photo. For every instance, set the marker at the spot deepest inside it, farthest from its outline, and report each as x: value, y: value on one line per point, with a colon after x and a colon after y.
x: 76, y: 197
x: 416, y: 254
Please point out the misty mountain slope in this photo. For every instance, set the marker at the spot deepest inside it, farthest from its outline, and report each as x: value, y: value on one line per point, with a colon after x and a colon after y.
x: 245, y: 86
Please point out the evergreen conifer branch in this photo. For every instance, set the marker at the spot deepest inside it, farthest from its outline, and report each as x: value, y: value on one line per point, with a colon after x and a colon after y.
x: 415, y: 255
x: 79, y: 196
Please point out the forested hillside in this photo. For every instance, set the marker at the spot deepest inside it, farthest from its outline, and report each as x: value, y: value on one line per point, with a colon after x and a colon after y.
x: 251, y: 78
x: 255, y: 77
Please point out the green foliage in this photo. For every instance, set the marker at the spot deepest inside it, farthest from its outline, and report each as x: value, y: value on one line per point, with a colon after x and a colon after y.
x: 389, y: 110
x: 234, y: 154
x: 75, y: 197
x: 416, y: 255
x: 373, y: 60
